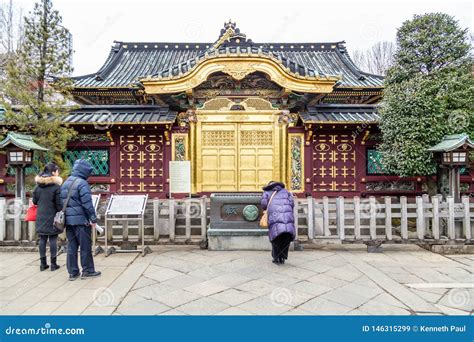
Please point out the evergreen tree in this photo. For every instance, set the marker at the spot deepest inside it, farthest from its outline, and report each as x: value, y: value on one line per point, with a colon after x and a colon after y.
x: 37, y: 87
x: 428, y: 93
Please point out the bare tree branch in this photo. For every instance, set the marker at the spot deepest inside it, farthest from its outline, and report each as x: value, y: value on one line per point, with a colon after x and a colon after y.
x: 377, y: 59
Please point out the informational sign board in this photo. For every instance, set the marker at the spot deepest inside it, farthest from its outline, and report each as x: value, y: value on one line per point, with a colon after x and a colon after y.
x: 95, y: 201
x: 126, y: 205
x: 180, y: 177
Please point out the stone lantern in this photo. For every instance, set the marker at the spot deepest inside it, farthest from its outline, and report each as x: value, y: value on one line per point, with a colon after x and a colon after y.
x: 20, y: 149
x: 453, y: 153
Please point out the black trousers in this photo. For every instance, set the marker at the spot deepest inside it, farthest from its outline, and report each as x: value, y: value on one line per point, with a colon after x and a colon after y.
x: 79, y: 236
x: 280, y: 246
x: 53, y: 245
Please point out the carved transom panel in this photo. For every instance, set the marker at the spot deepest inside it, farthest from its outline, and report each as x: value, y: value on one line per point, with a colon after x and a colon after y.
x: 256, y: 138
x: 218, y: 138
x: 225, y: 104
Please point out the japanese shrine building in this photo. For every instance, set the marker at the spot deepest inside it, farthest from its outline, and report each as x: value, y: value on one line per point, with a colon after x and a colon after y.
x: 243, y: 113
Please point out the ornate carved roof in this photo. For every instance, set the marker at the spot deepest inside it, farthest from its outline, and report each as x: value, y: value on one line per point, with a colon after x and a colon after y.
x: 128, y: 62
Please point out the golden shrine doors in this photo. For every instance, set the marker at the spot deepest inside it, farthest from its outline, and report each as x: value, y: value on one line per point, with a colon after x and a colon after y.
x: 236, y: 156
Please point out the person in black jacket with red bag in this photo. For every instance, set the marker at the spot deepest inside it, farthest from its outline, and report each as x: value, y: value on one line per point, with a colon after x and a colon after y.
x: 47, y: 196
x: 80, y: 220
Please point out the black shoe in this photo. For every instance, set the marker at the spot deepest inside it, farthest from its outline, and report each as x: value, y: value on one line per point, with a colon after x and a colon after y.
x: 281, y: 260
x: 44, y: 265
x: 276, y: 261
x: 73, y: 277
x: 88, y: 275
x: 54, y: 265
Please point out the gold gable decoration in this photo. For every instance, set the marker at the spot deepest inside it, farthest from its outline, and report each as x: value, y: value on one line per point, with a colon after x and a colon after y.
x: 239, y: 66
x: 255, y: 103
x: 225, y: 104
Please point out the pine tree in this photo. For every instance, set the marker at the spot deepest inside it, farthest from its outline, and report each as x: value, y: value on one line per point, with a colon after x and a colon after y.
x: 37, y: 87
x: 428, y: 93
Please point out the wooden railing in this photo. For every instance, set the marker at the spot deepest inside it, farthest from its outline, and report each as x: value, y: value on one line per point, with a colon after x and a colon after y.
x: 347, y: 220
x: 387, y: 218
x: 166, y: 221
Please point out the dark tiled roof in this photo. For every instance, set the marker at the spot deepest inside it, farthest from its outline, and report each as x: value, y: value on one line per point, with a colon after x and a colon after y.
x: 121, y: 114
x: 341, y: 114
x: 128, y: 62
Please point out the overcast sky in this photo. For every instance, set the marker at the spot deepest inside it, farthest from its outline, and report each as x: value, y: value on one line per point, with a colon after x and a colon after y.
x: 95, y: 24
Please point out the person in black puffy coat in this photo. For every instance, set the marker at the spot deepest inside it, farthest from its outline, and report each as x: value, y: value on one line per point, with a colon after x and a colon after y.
x: 47, y: 196
x: 80, y: 220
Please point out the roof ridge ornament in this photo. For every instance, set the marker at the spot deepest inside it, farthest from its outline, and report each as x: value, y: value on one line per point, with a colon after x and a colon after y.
x: 230, y: 35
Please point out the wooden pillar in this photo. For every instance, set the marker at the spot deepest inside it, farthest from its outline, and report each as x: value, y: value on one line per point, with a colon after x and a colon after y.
x: 203, y: 218
x: 172, y: 221
x: 388, y: 217
x: 192, y: 155
x: 435, y: 221
x: 156, y: 219
x: 372, y: 218
x: 420, y: 218
x: 296, y: 216
x: 404, y: 217
x: 327, y: 231
x: 466, y: 218
x: 187, y: 217
x: 357, y: 234
x: 283, y: 149
x: 3, y: 225
x: 17, y: 209
x: 340, y: 217
x: 451, y: 230
x: 310, y: 218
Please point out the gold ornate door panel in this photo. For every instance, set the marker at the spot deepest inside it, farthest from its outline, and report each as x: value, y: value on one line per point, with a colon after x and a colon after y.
x: 256, y: 155
x: 218, y: 168
x: 235, y: 156
x: 334, y: 162
x: 141, y: 163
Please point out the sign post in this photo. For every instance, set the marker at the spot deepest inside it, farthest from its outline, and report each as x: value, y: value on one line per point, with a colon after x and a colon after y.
x: 180, y: 177
x: 126, y: 208
x: 97, y: 249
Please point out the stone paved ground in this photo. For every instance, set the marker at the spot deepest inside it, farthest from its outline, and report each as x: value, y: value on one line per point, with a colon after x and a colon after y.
x: 188, y: 281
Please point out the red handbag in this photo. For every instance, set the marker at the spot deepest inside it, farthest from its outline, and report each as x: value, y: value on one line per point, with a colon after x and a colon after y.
x: 31, y: 212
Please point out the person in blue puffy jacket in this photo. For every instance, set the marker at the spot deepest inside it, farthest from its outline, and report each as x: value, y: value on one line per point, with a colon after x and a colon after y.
x: 281, y: 221
x: 80, y: 220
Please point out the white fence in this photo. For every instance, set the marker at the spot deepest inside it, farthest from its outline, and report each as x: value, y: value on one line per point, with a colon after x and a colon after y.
x: 388, y: 218
x: 166, y: 221
x: 397, y: 219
